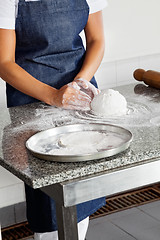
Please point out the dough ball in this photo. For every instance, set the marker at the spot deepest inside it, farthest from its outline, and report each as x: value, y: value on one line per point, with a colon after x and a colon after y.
x: 109, y: 103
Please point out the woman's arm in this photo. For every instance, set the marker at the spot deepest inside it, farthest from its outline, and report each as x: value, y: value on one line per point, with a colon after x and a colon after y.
x: 66, y: 97
x: 14, y: 74
x: 95, y: 45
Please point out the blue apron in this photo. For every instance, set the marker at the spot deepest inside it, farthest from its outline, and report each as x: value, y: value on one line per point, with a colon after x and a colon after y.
x: 48, y: 46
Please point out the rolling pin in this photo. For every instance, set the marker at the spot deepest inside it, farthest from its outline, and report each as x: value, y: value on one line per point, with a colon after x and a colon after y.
x: 150, y: 77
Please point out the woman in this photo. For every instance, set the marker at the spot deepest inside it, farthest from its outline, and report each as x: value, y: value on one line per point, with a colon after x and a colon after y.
x: 42, y: 58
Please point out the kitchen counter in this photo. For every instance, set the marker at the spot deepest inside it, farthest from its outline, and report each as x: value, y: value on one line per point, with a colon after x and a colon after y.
x: 19, y: 123
x: 142, y: 119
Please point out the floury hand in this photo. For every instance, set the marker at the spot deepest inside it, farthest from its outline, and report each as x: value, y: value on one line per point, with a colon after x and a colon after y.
x: 71, y: 97
x: 87, y: 87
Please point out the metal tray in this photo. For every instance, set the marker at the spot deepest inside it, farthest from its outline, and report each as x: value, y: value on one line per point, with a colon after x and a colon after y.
x: 37, y: 142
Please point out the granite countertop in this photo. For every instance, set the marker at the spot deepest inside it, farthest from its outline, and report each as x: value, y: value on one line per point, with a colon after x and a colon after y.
x: 19, y: 123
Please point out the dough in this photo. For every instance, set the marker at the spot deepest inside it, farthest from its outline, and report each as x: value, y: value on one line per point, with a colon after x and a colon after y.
x: 109, y: 103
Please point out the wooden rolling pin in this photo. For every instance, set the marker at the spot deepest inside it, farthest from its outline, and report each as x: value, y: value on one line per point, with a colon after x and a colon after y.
x: 151, y: 78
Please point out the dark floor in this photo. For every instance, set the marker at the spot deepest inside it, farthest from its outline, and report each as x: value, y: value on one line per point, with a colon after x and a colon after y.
x: 140, y: 223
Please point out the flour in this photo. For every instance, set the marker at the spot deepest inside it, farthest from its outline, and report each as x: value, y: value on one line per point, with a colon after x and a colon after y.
x: 45, y: 117
x: 77, y: 143
x: 73, y: 151
x: 82, y: 139
x: 109, y: 103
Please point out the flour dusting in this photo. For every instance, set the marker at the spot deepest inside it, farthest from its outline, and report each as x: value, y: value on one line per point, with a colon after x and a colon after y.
x: 76, y: 143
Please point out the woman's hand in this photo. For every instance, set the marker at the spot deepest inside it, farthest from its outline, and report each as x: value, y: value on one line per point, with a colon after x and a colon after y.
x: 87, y: 87
x: 71, y: 97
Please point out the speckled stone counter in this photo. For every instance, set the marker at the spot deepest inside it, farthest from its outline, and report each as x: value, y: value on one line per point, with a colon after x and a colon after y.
x: 19, y: 123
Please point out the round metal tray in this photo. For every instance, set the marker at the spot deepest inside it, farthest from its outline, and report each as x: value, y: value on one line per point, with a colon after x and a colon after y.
x: 37, y: 143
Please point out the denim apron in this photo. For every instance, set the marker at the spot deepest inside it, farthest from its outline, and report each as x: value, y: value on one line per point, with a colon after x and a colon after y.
x: 48, y: 46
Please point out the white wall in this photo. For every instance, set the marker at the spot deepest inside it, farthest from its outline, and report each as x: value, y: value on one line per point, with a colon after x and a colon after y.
x: 120, y: 72
x: 132, y: 35
x: 132, y: 28
x: 11, y: 189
